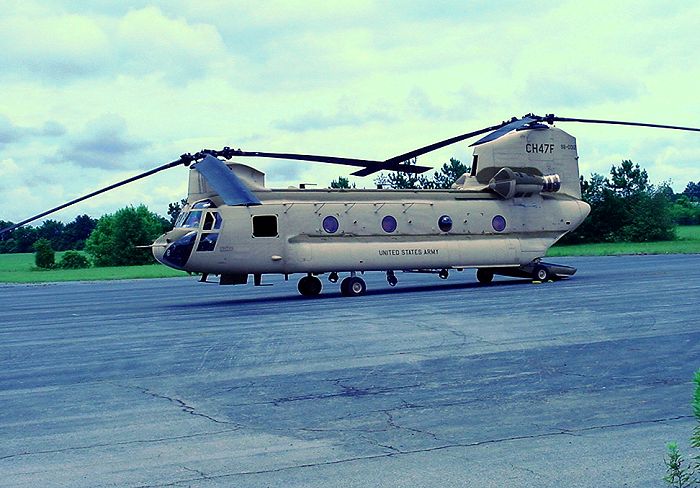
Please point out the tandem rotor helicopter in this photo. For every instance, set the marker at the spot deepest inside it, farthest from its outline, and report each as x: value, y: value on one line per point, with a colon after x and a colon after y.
x: 521, y: 195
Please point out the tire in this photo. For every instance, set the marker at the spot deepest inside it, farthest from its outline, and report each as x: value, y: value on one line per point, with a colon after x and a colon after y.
x: 353, y: 286
x: 484, y: 276
x: 541, y: 273
x: 310, y: 286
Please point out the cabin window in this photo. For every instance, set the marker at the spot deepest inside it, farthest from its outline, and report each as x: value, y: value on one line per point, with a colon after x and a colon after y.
x: 389, y: 224
x: 265, y: 226
x: 208, y: 242
x: 445, y: 223
x: 330, y: 224
x: 498, y: 223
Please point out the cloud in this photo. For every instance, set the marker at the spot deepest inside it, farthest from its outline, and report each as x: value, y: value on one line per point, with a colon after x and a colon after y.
x: 104, y: 143
x: 65, y: 47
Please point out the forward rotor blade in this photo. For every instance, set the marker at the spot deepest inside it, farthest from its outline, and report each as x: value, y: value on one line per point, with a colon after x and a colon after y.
x: 618, y: 122
x: 94, y: 193
x: 231, y: 189
x: 302, y: 157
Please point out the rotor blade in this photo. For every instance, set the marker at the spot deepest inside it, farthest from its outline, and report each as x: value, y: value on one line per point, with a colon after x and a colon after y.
x: 394, y: 163
x: 300, y: 157
x: 95, y: 193
x: 438, y: 145
x: 225, y: 182
x: 503, y: 130
x: 618, y: 122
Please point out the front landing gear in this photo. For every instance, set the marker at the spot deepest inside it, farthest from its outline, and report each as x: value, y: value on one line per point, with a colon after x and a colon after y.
x: 353, y: 286
x: 309, y: 286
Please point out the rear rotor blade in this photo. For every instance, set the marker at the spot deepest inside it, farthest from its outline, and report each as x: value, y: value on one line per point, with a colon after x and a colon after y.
x: 515, y: 124
x: 552, y: 118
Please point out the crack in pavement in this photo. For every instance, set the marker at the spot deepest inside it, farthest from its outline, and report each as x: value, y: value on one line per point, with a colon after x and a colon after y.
x: 396, y: 452
x: 188, y: 409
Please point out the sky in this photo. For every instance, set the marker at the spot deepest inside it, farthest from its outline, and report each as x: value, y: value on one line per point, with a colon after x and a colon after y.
x: 95, y: 92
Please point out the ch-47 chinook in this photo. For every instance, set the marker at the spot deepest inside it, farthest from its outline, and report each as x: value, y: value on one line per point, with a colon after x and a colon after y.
x: 521, y: 195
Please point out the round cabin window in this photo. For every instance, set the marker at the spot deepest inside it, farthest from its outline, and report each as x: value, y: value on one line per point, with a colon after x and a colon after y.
x: 498, y: 223
x: 445, y: 223
x: 389, y: 224
x: 330, y: 224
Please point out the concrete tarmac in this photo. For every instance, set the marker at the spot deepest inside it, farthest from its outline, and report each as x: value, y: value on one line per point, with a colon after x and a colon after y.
x: 433, y: 383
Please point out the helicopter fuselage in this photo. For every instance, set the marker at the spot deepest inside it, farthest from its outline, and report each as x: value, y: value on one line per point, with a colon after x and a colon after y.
x: 320, y: 231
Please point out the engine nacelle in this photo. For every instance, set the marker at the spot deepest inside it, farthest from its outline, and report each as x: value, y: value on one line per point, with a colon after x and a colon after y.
x: 508, y: 183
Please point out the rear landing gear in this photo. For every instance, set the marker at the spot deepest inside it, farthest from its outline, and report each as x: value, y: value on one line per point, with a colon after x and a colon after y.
x: 309, y: 286
x: 541, y: 273
x: 353, y: 286
x: 484, y: 275
x: 391, y: 278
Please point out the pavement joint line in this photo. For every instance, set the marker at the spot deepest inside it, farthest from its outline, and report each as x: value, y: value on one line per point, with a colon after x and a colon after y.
x: 416, y: 451
x: 122, y: 443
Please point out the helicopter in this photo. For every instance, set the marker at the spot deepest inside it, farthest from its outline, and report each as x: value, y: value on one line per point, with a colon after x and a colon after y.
x: 520, y: 196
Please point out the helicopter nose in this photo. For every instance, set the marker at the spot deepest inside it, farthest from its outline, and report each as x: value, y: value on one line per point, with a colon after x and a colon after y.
x: 177, y: 253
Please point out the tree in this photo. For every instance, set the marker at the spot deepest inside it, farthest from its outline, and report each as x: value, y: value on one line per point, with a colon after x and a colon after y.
x: 341, y: 182
x: 76, y: 232
x: 624, y: 208
x: 449, y: 173
x: 692, y: 191
x: 114, y: 240
x: 174, y: 209
x: 399, y: 180
x: 45, y: 256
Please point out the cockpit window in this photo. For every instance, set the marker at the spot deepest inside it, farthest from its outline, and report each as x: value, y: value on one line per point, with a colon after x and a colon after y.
x: 204, y: 204
x: 212, y: 220
x: 180, y: 219
x: 193, y: 219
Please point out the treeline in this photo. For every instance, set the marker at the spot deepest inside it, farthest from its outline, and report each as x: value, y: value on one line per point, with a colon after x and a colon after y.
x: 62, y: 237
x: 111, y: 240
x: 626, y: 207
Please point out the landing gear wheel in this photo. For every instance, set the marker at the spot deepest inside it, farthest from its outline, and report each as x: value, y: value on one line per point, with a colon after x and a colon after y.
x: 353, y: 286
x: 391, y: 278
x: 484, y: 275
x: 541, y: 273
x: 309, y: 286
x: 443, y: 274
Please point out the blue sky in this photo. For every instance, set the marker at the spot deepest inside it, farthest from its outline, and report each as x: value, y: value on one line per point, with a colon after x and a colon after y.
x: 94, y: 92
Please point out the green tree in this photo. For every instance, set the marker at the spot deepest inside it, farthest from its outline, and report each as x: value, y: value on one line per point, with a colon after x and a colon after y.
x: 341, y: 182
x: 76, y: 232
x: 45, y: 255
x: 449, y: 173
x: 399, y: 180
x: 174, y: 209
x: 625, y: 207
x: 114, y: 240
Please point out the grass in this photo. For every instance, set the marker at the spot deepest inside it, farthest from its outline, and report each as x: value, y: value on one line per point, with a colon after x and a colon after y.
x: 19, y: 268
x: 688, y: 242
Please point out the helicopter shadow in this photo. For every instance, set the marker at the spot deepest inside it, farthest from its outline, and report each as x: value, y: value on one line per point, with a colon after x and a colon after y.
x: 404, y: 290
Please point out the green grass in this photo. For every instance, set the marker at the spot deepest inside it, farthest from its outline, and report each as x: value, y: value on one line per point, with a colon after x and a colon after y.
x: 688, y: 243
x: 19, y: 268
